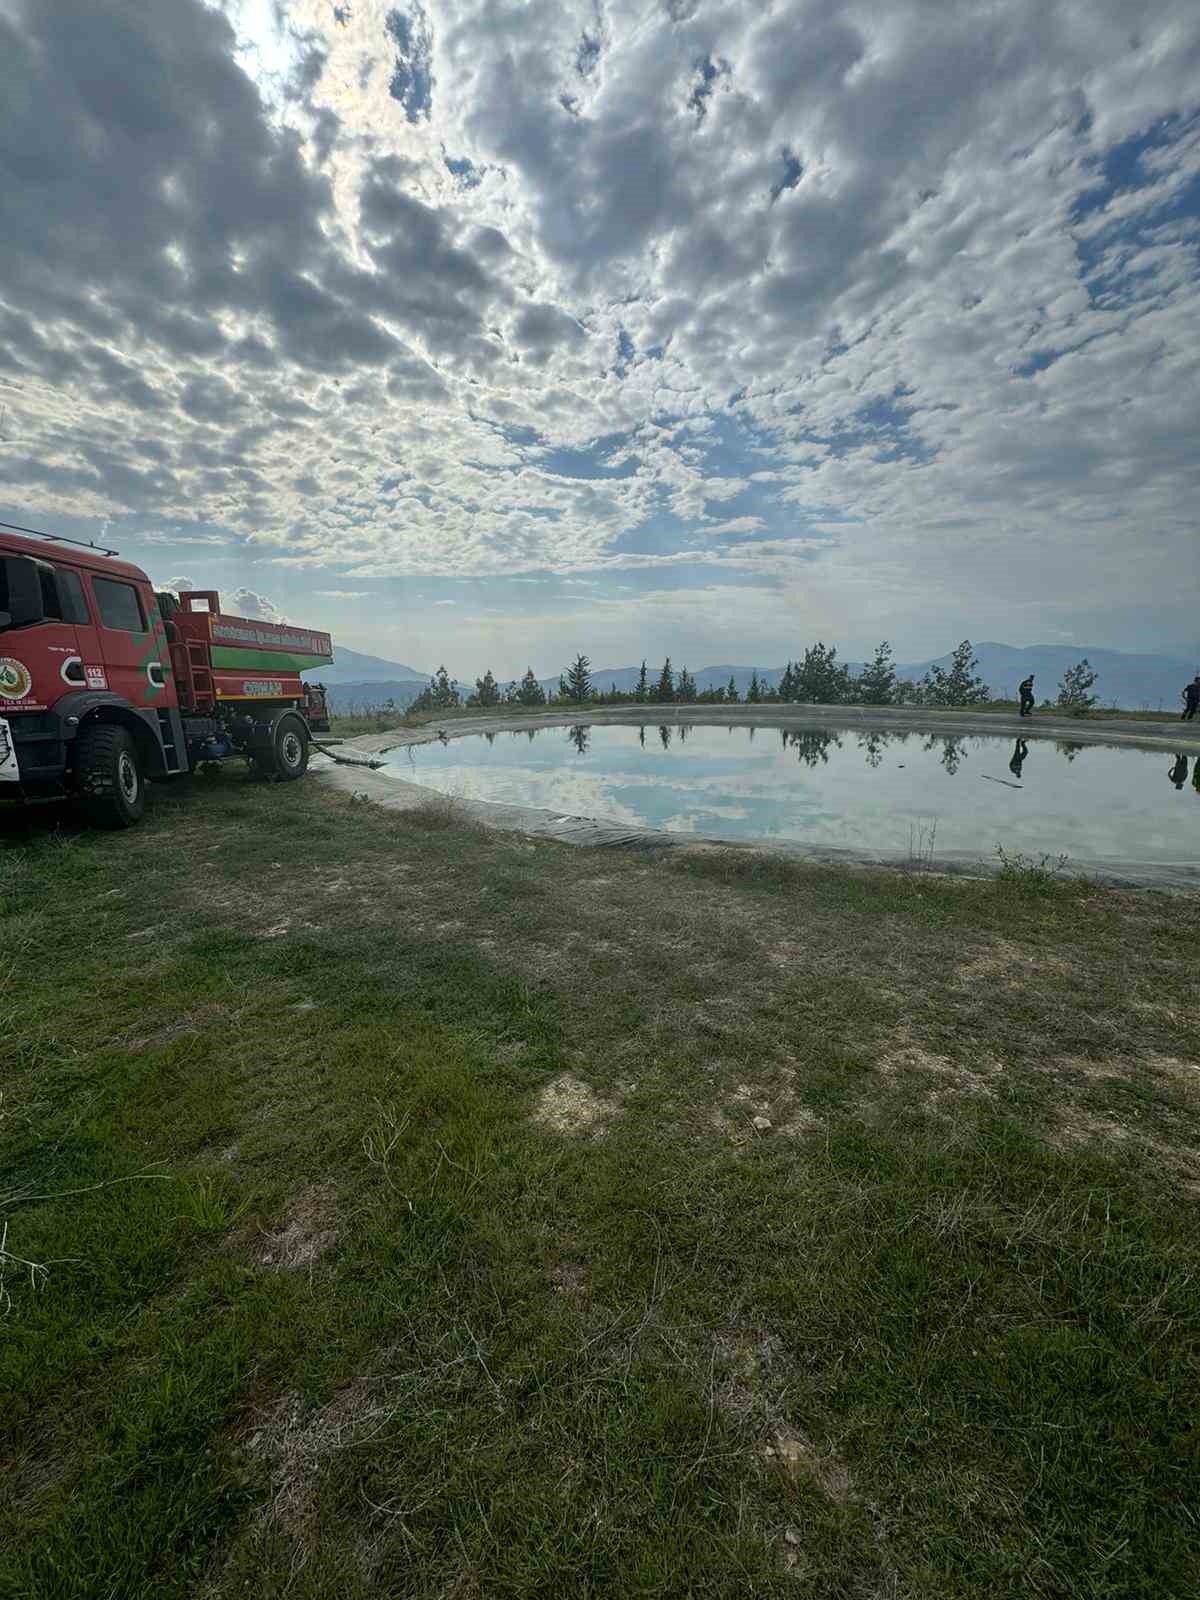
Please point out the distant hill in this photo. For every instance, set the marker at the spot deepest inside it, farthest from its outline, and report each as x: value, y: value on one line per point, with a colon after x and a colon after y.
x: 353, y: 667
x: 345, y: 698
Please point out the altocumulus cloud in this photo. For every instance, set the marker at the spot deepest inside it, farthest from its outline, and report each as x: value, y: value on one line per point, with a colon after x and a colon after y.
x: 888, y: 301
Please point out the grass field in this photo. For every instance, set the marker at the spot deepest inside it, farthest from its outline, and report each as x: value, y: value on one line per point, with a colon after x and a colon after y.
x: 392, y: 1208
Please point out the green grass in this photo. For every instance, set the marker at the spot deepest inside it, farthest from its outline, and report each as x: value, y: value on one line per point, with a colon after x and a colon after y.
x: 330, y: 1309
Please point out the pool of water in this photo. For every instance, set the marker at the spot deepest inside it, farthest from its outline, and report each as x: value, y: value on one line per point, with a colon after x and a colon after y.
x: 837, y: 787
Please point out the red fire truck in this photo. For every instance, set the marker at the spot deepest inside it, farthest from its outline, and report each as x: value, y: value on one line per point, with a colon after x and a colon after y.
x: 105, y: 684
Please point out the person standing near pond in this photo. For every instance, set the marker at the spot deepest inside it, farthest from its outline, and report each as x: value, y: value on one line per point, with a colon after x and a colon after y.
x: 1178, y: 773
x: 1020, y: 751
x: 1191, y: 699
x: 1026, y: 693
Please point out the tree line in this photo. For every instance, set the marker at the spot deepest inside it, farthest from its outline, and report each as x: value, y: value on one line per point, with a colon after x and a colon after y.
x: 817, y: 677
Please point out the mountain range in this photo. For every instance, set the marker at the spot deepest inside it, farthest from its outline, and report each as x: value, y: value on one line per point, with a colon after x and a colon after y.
x: 352, y: 666
x: 1124, y: 679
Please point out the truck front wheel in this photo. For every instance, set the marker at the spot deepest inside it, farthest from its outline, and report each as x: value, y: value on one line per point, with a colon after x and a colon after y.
x: 287, y: 757
x: 110, y: 778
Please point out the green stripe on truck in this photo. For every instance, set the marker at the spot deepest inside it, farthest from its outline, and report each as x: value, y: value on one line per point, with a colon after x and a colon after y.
x: 264, y: 661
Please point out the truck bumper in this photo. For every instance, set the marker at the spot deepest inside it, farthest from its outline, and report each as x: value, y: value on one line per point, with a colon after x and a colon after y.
x: 33, y: 751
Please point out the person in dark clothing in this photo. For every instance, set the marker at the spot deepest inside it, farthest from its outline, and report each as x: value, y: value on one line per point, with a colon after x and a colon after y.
x: 1026, y: 693
x: 1191, y: 699
x: 1020, y: 751
x: 1178, y: 773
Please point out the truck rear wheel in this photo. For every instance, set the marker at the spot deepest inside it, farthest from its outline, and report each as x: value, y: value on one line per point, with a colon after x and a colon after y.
x: 287, y: 756
x: 110, y: 778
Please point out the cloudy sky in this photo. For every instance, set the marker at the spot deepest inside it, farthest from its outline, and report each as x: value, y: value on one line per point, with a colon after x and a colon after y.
x: 482, y: 330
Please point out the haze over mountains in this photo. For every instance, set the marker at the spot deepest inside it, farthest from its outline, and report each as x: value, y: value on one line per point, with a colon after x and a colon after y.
x: 1129, y: 681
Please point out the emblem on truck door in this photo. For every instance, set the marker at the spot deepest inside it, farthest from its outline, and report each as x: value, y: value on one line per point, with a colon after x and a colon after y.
x: 15, y: 679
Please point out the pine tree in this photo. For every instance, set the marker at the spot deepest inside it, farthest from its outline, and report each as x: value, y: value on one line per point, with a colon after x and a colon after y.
x: 685, y: 689
x: 562, y: 687
x: 487, y: 691
x: 956, y: 685
x: 876, y: 683
x: 664, y: 689
x: 579, y: 680
x: 531, y: 692
x: 642, y: 689
x: 440, y: 695
x: 1074, y: 691
x: 787, y: 684
x: 821, y: 678
x: 731, y: 692
x: 754, y: 692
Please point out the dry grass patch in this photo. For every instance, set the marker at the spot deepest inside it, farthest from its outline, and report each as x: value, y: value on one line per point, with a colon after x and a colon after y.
x: 746, y: 1364
x: 954, y: 1077
x: 194, y: 1021
x: 569, y: 1278
x: 296, y: 1441
x: 569, y: 1106
x: 800, y: 1458
x: 753, y: 1111
x: 1075, y: 1126
x: 1174, y: 1067
x: 307, y: 1232
x: 1003, y: 959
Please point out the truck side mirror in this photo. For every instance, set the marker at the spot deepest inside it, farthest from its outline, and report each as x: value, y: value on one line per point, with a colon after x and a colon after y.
x: 24, y: 585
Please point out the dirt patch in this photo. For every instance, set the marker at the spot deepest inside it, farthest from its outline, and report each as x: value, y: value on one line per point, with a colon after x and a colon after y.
x: 1074, y: 1126
x: 1108, y: 1069
x: 308, y: 1231
x: 753, y: 1111
x: 953, y: 1077
x: 1001, y: 958
x: 569, y: 1278
x: 800, y: 1458
x: 568, y: 1105
x: 1102, y: 1071
x: 1185, y: 1072
x: 799, y: 1123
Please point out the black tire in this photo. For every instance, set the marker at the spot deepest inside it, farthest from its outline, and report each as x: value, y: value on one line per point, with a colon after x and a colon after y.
x: 109, y: 773
x: 286, y: 758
